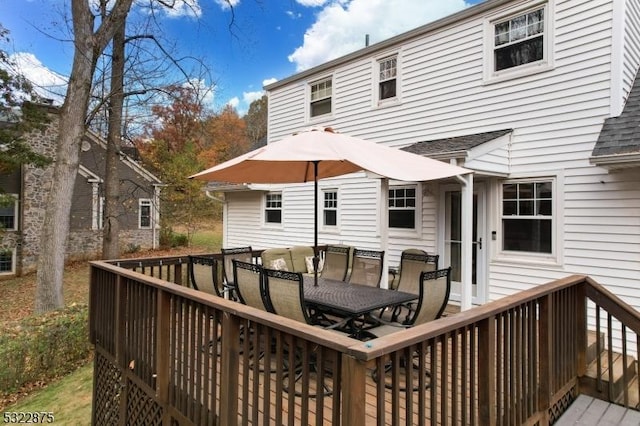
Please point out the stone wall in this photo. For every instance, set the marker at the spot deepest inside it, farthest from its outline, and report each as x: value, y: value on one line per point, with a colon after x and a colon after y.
x: 37, y: 184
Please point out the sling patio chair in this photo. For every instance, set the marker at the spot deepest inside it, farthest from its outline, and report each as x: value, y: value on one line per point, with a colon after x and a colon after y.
x: 285, y: 297
x: 412, y: 263
x: 434, y: 290
x: 366, y: 267
x: 204, y: 274
x: 336, y: 262
x: 245, y: 254
x: 249, y: 284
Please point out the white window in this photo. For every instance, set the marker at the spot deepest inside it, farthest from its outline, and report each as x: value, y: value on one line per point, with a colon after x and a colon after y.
x: 330, y: 208
x: 273, y: 208
x: 402, y: 207
x: 7, y: 261
x: 320, y: 97
x: 387, y: 77
x: 527, y: 216
x: 145, y: 214
x: 9, y: 212
x: 519, y: 42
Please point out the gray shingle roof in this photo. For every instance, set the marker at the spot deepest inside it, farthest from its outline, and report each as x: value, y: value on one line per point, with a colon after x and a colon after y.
x: 459, y: 143
x: 621, y: 135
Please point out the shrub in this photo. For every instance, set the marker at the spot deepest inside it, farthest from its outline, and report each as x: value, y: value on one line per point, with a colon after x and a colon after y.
x: 44, y: 347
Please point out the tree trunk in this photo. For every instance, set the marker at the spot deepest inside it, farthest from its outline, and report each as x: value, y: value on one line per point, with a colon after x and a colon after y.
x: 111, y: 231
x: 55, y: 228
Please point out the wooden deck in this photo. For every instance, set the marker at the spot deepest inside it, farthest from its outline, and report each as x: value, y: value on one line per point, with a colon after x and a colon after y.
x: 586, y: 411
x: 167, y: 353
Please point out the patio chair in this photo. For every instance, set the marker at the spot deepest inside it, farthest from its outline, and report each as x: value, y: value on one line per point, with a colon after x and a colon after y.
x: 244, y: 254
x: 205, y: 274
x: 285, y: 297
x: 366, y: 267
x: 336, y: 262
x: 412, y: 263
x: 434, y: 289
x: 249, y: 284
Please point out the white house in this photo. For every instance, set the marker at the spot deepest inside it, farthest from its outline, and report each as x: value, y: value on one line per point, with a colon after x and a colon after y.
x: 528, y: 94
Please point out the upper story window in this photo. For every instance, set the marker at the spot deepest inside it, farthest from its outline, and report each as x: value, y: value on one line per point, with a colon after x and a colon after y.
x: 519, y: 42
x: 9, y: 212
x: 402, y: 207
x: 321, y: 94
x: 527, y: 216
x: 387, y: 77
x: 144, y: 214
x: 330, y: 208
x: 273, y: 208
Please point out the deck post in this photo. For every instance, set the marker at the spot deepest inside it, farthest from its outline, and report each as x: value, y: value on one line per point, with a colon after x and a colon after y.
x: 354, y: 374
x: 487, y: 373
x: 581, y: 329
x: 163, y: 342
x: 546, y: 356
x: 229, y: 369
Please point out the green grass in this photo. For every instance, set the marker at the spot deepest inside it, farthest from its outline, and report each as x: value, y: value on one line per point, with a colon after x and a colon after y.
x: 69, y: 399
x: 209, y: 240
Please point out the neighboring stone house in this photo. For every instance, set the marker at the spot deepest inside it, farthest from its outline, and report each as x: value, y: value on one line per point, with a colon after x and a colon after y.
x: 139, y: 215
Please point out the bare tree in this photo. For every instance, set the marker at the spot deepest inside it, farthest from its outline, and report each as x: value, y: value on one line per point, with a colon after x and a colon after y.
x: 88, y: 45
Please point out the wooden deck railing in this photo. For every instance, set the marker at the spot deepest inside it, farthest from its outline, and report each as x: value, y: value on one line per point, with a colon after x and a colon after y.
x: 168, y: 353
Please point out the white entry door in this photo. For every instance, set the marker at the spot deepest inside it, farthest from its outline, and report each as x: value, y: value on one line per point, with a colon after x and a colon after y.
x: 450, y: 240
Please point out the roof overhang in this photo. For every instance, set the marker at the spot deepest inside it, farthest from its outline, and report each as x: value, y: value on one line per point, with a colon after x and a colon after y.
x: 617, y: 161
x: 233, y: 187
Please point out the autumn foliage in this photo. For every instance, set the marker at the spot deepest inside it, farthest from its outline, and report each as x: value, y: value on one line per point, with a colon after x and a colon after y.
x: 184, y: 140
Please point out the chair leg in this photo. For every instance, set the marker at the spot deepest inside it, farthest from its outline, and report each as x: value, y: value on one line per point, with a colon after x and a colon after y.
x: 298, y: 374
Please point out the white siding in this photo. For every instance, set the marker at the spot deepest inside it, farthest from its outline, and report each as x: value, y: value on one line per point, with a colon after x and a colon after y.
x: 555, y: 115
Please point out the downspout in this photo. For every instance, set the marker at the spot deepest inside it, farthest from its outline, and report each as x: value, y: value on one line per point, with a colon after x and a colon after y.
x: 210, y: 195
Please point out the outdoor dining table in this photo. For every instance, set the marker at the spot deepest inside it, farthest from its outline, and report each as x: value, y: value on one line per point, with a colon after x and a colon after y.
x: 350, y: 301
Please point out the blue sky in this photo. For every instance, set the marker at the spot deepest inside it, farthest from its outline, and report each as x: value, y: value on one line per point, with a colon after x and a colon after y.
x: 269, y: 40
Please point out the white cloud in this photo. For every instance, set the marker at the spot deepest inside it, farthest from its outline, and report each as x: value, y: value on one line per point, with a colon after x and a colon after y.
x: 341, y: 27
x: 180, y: 8
x: 311, y: 3
x: 268, y: 81
x: 234, y: 102
x: 227, y: 4
x: 205, y: 92
x: 47, y: 83
x: 249, y: 97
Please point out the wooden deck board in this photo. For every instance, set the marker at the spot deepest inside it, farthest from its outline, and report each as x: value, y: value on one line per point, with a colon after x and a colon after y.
x: 586, y: 411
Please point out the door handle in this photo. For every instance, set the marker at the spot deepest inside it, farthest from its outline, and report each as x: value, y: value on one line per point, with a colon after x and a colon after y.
x: 479, y: 243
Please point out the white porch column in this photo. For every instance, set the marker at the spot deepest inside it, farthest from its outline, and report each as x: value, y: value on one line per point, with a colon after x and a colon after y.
x: 466, y: 289
x: 384, y: 230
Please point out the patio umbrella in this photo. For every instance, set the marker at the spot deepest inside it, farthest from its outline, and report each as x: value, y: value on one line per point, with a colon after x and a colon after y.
x: 318, y: 153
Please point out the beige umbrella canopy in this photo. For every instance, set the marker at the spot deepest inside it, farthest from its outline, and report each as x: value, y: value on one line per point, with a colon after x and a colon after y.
x: 319, y: 153
x: 292, y: 159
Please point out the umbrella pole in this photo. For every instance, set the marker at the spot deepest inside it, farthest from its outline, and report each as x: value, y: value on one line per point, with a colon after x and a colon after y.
x: 316, y: 260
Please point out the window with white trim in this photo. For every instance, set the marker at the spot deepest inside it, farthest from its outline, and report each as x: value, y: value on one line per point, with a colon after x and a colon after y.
x: 145, y: 213
x: 9, y: 212
x: 387, y: 77
x: 527, y: 216
x: 273, y: 208
x: 519, y: 42
x: 320, y: 97
x: 7, y: 261
x: 402, y: 207
x: 330, y: 208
